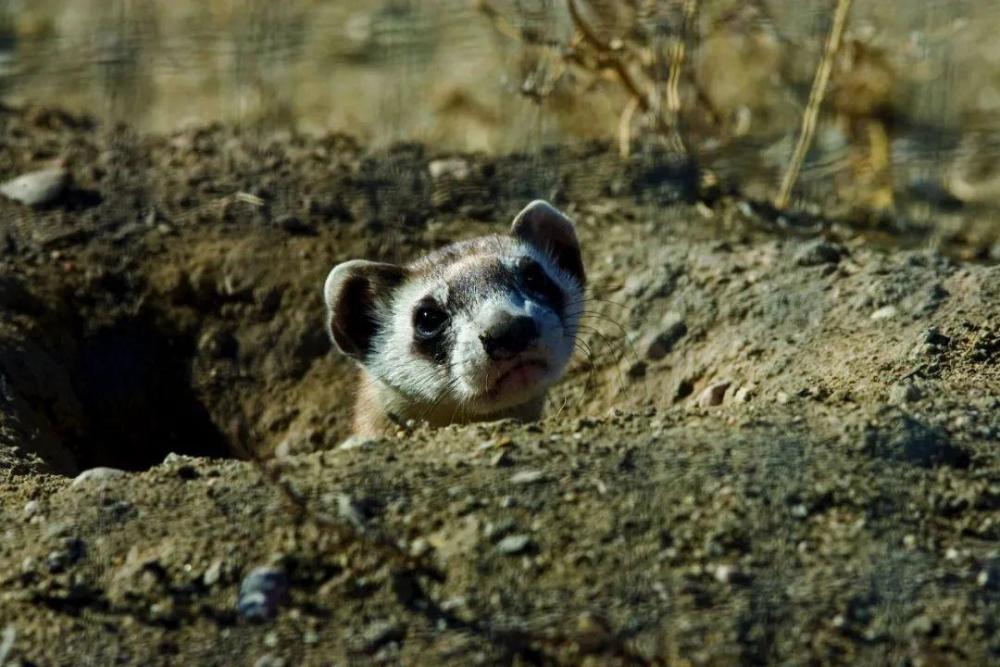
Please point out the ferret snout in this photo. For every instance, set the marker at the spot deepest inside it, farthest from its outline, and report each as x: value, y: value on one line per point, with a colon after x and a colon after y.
x: 510, y: 336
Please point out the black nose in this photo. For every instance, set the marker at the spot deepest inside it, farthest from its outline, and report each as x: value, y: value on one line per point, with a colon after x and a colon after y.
x: 509, y: 337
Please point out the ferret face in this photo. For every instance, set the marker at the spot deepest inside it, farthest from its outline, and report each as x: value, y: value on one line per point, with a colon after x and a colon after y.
x: 474, y: 328
x: 482, y: 333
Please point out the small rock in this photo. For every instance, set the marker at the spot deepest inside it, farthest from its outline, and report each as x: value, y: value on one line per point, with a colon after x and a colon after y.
x: 500, y: 529
x: 37, y: 188
x: 782, y: 397
x: 420, y: 547
x: 934, y: 337
x: 527, y: 477
x: 819, y: 252
x: 213, y: 573
x: 455, y: 168
x: 673, y: 329
x: 884, y: 313
x: 726, y: 574
x: 296, y: 225
x: 349, y: 510
x: 261, y: 593
x: 295, y: 443
x: 514, y: 544
x: 380, y: 633
x: 501, y: 459
x: 921, y: 626
x: 268, y: 660
x: 904, y: 392
x: 72, y: 550
x: 31, y: 508
x: 636, y: 370
x: 218, y: 344
x: 713, y: 394
x: 357, y: 442
x: 743, y: 394
x: 100, y: 475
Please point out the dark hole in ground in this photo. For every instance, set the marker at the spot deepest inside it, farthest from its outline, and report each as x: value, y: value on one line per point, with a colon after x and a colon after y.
x: 133, y: 382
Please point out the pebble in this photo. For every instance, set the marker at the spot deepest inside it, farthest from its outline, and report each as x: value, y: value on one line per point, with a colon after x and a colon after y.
x: 357, y: 442
x: 456, y: 168
x: 71, y: 551
x: 380, y: 633
x: 904, y: 392
x: 636, y: 370
x: 743, y: 394
x: 818, y: 253
x: 296, y: 225
x: 501, y: 459
x: 514, y: 544
x: 527, y: 477
x: 713, y: 394
x: 294, y: 443
x: 673, y: 329
x: 37, y: 188
x: 31, y: 508
x: 934, y: 337
x: 261, y: 593
x: 500, y: 529
x: 349, y: 510
x: 100, y: 475
x: 884, y: 313
x: 213, y: 573
x: 270, y: 661
x: 920, y: 626
x: 726, y: 574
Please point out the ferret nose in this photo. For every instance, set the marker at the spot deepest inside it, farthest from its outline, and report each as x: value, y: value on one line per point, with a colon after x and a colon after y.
x: 509, y: 337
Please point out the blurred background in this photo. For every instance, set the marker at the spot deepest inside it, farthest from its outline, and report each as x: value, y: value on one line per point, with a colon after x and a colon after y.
x: 910, y: 126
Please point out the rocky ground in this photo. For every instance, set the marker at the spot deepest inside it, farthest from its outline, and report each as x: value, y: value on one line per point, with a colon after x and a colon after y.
x: 779, y: 443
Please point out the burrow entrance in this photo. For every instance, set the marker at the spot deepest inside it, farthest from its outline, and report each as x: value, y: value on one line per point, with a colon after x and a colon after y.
x: 118, y: 393
x: 133, y: 383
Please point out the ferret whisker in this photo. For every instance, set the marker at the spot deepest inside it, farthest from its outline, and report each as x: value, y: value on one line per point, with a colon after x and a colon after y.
x: 588, y: 299
x: 623, y: 342
x: 617, y: 346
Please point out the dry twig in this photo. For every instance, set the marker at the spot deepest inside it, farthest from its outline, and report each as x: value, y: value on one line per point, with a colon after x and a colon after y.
x: 811, y: 113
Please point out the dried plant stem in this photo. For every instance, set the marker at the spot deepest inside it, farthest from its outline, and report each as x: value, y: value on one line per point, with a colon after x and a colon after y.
x: 678, y: 56
x: 811, y: 113
x: 499, y: 21
x: 625, y: 128
x: 608, y: 57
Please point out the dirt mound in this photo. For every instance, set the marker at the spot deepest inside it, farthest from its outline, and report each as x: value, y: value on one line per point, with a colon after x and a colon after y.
x: 774, y: 446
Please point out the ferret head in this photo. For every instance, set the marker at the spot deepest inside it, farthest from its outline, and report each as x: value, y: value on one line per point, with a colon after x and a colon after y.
x: 475, y: 328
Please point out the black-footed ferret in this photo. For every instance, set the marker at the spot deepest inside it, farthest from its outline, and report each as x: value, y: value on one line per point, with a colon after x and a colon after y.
x: 475, y: 331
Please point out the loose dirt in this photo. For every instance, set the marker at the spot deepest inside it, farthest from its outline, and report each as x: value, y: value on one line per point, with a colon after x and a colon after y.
x: 778, y: 444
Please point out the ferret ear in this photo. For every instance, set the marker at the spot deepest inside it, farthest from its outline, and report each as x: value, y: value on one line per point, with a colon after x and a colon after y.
x: 352, y: 291
x: 545, y: 227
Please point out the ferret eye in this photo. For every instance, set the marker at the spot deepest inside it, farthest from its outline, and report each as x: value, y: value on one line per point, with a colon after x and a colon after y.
x: 535, y: 280
x: 428, y: 321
